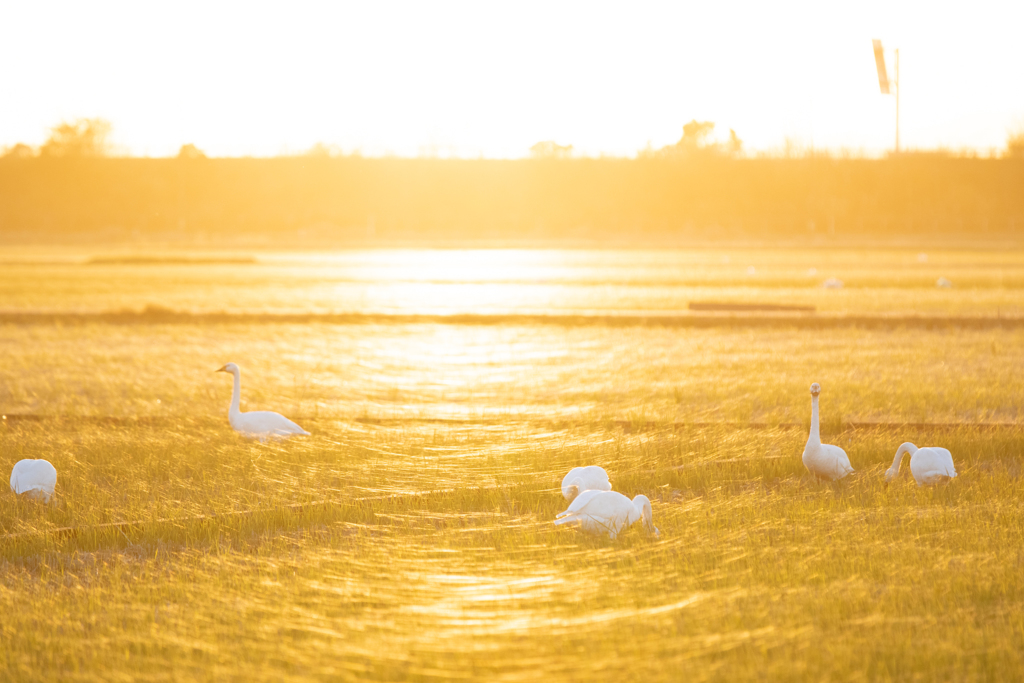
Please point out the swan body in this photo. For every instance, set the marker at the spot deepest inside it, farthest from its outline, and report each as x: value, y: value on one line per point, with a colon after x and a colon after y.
x: 35, y: 479
x: 258, y: 424
x: 823, y: 460
x: 607, y: 512
x: 929, y: 465
x: 580, y: 479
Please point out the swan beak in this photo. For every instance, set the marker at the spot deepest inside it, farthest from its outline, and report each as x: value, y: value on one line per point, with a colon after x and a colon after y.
x: 223, y: 369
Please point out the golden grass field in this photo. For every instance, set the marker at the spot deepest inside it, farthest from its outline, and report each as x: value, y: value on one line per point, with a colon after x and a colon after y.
x: 411, y: 537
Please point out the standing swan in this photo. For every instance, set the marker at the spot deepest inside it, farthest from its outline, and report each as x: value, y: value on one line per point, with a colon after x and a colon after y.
x: 822, y: 460
x: 260, y: 424
x: 600, y: 512
x: 580, y: 479
x: 929, y: 465
x: 34, y: 478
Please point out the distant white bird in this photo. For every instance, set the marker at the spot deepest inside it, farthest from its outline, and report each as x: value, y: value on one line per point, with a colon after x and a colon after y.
x: 822, y: 460
x: 832, y: 283
x: 607, y: 512
x: 943, y: 283
x: 929, y: 465
x: 34, y: 478
x: 261, y: 424
x: 580, y: 479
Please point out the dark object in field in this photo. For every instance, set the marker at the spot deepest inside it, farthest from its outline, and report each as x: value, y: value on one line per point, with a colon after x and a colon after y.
x: 169, y: 261
x: 159, y: 315
x: 761, y: 308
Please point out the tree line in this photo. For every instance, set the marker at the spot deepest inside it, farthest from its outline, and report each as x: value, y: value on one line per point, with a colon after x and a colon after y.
x: 338, y: 201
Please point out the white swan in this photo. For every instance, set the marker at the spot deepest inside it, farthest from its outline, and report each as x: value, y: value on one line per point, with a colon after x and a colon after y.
x: 579, y: 479
x: 822, y: 460
x: 929, y: 465
x: 610, y: 512
x: 259, y: 424
x: 34, y: 478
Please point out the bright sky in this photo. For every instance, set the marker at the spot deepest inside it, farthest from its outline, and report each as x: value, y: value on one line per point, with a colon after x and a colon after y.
x: 489, y: 78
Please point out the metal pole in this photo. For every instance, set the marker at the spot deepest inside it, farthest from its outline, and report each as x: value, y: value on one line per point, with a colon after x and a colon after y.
x: 897, y: 100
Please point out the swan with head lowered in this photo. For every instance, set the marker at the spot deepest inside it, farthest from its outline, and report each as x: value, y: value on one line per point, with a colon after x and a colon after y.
x: 258, y: 424
x: 929, y: 465
x: 34, y: 479
x: 607, y: 512
x: 823, y: 460
x: 580, y: 479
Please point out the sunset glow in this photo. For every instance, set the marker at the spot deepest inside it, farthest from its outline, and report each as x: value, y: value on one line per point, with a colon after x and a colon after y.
x: 511, y: 341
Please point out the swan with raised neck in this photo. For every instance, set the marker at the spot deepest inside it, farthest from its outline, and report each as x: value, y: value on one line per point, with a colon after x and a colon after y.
x: 258, y: 424
x: 824, y: 461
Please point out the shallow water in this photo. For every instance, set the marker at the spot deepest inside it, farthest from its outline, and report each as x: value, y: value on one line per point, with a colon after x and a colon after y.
x: 524, y: 282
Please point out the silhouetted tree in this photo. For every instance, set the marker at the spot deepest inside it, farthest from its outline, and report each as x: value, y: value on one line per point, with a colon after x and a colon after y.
x: 1015, y: 145
x: 18, y: 151
x: 81, y: 138
x: 550, y: 150
x: 695, y: 140
x: 695, y: 134
x: 190, y: 151
x: 321, y: 149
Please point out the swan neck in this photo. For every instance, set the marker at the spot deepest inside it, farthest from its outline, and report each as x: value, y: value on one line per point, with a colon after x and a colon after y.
x: 906, y: 447
x: 646, y: 516
x: 815, y: 436
x: 236, y: 394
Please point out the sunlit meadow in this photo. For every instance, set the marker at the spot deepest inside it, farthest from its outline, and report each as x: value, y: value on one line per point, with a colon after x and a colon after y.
x: 410, y: 537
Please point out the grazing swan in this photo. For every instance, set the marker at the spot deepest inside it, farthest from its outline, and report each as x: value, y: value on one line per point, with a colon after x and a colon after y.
x: 600, y: 512
x: 580, y: 479
x: 929, y: 465
x: 822, y: 460
x: 34, y: 478
x: 260, y: 424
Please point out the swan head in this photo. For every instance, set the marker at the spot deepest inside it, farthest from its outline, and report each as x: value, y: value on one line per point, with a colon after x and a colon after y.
x: 37, y: 495
x: 573, y: 489
x: 815, y: 390
x: 890, y: 474
x: 230, y: 367
x: 643, y: 503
